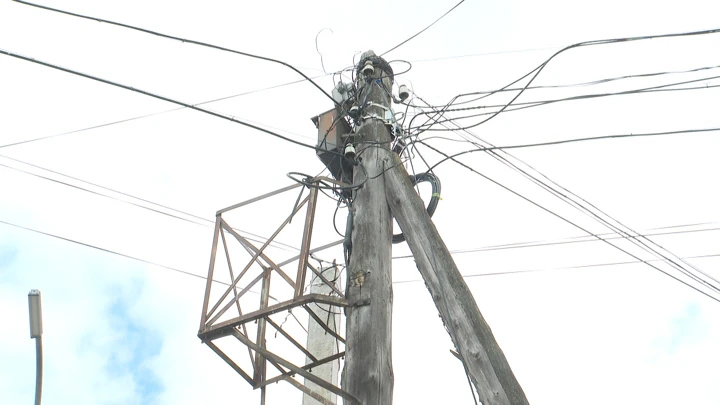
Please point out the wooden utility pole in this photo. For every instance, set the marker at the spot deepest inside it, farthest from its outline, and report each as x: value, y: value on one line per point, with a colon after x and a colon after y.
x: 368, y: 368
x: 368, y: 371
x: 484, y: 361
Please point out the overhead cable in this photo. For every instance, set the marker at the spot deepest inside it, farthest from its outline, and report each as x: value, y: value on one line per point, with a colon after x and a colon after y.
x: 499, y: 273
x: 207, y: 222
x: 184, y: 40
x: 598, y: 215
x: 573, y: 240
x: 715, y: 288
x: 536, y: 103
x: 423, y: 30
x: 155, y: 113
x: 170, y: 100
x: 582, y: 84
x: 573, y: 140
x: 110, y: 251
x: 533, y: 74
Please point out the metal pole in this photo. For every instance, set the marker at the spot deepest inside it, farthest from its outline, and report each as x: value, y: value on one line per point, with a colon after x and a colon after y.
x: 39, y: 370
x: 35, y: 309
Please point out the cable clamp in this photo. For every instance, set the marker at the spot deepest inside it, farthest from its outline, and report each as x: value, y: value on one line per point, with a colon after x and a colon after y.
x: 370, y: 103
x: 375, y: 116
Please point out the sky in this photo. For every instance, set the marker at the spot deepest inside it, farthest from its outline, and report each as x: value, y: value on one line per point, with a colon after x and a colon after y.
x: 579, y: 322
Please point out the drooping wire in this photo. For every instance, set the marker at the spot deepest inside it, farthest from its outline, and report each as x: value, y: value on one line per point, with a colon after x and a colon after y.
x: 155, y: 113
x: 533, y: 74
x: 423, y: 30
x: 184, y: 40
x: 530, y: 104
x: 712, y: 287
x: 582, y: 84
x: 587, y: 211
x: 206, y: 221
x: 573, y: 140
x: 576, y: 225
x: 524, y: 271
x: 322, y: 63
x: 573, y: 240
x: 112, y: 252
x: 159, y: 97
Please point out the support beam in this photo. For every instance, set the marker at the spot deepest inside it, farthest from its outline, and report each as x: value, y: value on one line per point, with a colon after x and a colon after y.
x: 485, y: 362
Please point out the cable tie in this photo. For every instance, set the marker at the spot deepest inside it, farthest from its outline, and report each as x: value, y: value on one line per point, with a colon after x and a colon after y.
x: 437, y: 195
x: 370, y: 103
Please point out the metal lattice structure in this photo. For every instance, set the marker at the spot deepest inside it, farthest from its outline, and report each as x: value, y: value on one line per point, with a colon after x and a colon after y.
x: 248, y: 324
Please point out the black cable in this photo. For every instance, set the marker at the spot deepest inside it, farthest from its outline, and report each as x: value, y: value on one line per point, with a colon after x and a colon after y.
x: 432, y: 205
x: 591, y: 138
x: 401, y: 61
x: 112, y: 252
x: 190, y: 41
x: 539, y: 69
x: 530, y: 104
x: 102, y: 195
x: 337, y: 208
x: 571, y: 223
x: 423, y: 30
x: 156, y: 113
x: 629, y: 233
x: 498, y: 273
x: 193, y: 107
x: 565, y: 241
x: 307, y: 181
x: 583, y: 84
x: 207, y: 221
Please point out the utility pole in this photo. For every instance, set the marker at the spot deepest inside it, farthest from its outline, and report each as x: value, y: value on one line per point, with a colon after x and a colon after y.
x: 368, y: 371
x: 387, y: 192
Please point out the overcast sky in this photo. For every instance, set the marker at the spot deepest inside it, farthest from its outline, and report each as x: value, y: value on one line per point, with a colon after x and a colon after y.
x: 588, y: 327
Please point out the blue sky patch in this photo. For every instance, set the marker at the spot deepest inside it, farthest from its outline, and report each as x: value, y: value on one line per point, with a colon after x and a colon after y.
x: 686, y: 329
x: 136, y: 345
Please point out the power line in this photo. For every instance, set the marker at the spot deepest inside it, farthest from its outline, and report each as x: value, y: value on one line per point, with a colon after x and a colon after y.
x: 573, y: 140
x: 537, y: 103
x: 184, y: 104
x: 207, y: 222
x: 582, y: 204
x: 423, y: 30
x: 573, y: 240
x: 581, y: 84
x: 498, y: 273
x: 577, y: 226
x: 190, y: 41
x: 394, y: 282
x: 156, y: 113
x: 533, y: 74
x: 110, y: 251
x: 629, y: 233
x: 483, y: 54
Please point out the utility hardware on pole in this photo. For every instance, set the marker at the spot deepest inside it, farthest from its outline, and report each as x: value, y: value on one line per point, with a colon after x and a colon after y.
x: 368, y: 369
x: 359, y: 141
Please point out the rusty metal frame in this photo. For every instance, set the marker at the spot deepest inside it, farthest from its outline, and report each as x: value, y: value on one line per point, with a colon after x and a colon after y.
x: 213, y: 328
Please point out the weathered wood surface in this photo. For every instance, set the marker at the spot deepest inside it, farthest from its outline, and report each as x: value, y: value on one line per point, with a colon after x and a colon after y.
x: 368, y: 371
x: 484, y: 360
